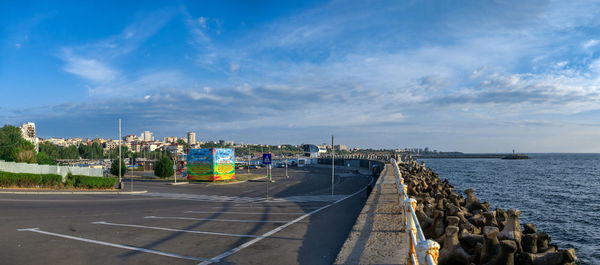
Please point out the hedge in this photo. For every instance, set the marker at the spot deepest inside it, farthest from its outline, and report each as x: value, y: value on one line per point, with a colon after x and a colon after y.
x: 95, y: 182
x: 26, y: 180
x: 9, y: 179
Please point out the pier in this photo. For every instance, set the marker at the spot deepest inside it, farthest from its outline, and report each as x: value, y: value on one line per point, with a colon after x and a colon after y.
x: 414, y: 217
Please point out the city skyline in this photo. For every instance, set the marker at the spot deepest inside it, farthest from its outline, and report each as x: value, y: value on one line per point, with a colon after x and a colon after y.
x: 468, y: 76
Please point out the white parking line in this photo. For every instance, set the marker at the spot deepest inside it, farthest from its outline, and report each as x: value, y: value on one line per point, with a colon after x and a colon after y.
x: 156, y: 252
x: 265, y: 213
x: 213, y: 220
x: 175, y: 230
x: 267, y: 234
x: 267, y: 206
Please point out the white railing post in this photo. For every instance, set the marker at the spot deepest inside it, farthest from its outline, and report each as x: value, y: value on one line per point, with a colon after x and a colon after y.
x: 428, y: 252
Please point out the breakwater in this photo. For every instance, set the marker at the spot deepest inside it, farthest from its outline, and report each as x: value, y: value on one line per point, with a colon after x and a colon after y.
x: 557, y: 192
x: 471, y: 231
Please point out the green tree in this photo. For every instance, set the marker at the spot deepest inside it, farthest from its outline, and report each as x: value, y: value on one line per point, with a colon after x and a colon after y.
x: 164, y: 167
x: 114, y: 167
x: 45, y: 159
x: 13, y: 147
x: 69, y: 153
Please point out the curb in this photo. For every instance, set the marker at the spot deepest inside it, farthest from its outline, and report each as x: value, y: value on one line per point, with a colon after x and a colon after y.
x: 73, y: 192
x: 237, y: 182
x: 178, y: 183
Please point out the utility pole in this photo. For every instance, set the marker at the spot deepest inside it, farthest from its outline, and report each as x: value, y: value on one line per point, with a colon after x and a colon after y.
x: 332, y: 166
x: 120, y: 180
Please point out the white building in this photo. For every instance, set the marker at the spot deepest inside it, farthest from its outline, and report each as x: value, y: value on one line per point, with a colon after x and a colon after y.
x: 191, y: 138
x: 147, y: 136
x: 130, y: 138
x: 170, y: 139
x: 29, y: 133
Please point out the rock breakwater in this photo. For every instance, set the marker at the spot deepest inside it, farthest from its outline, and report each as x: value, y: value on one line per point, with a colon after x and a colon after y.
x: 470, y: 231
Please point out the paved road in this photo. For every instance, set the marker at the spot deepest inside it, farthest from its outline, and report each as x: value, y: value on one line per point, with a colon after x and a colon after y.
x: 301, y: 223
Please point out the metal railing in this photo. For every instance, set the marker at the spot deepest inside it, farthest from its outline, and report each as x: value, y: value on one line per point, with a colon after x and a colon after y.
x: 420, y: 250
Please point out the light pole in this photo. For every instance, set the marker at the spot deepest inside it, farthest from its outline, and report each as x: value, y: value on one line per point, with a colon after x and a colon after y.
x: 120, y: 180
x: 332, y: 166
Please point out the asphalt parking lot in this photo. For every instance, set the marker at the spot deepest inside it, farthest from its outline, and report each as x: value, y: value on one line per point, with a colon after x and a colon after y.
x: 300, y: 223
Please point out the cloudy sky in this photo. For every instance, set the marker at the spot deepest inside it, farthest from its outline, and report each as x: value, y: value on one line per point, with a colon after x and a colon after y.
x: 473, y: 76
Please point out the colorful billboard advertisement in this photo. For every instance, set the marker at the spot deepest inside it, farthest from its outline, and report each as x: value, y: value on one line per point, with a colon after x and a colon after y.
x: 211, y: 164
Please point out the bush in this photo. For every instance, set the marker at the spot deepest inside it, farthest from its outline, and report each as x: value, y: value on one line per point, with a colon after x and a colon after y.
x: 114, y: 167
x: 164, y: 168
x: 25, y: 180
x: 95, y: 182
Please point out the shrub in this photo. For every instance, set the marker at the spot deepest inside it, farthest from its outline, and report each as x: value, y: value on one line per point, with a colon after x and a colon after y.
x: 95, y: 182
x: 164, y: 168
x: 26, y: 180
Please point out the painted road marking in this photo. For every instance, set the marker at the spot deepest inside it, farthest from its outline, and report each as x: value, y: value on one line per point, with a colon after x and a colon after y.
x: 174, y: 230
x: 297, y: 207
x: 213, y: 220
x: 151, y: 251
x: 267, y: 234
x: 265, y: 213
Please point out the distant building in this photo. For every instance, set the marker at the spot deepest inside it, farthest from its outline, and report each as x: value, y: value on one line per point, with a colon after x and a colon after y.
x: 110, y: 145
x: 130, y: 138
x: 191, y: 138
x: 171, y: 139
x: 29, y: 133
x: 340, y: 147
x: 56, y: 141
x: 146, y: 136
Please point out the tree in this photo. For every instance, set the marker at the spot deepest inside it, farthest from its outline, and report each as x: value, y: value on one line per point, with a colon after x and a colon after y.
x: 164, y: 167
x: 13, y: 147
x: 44, y: 159
x: 114, y: 167
x: 69, y: 153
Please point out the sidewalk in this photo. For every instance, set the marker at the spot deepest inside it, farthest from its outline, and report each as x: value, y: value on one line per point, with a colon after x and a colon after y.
x: 377, y: 236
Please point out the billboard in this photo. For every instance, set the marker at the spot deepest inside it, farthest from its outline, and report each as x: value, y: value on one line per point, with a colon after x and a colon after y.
x: 211, y: 164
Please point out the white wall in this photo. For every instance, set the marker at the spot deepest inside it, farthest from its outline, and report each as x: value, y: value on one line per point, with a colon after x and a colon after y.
x: 47, y: 169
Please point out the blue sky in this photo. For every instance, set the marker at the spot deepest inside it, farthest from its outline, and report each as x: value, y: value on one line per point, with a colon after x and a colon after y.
x: 474, y: 76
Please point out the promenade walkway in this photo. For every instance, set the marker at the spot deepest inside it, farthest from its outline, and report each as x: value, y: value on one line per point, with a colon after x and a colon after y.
x: 378, y: 235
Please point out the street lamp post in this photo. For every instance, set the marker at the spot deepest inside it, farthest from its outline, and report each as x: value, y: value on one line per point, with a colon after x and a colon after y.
x: 120, y: 180
x: 332, y: 166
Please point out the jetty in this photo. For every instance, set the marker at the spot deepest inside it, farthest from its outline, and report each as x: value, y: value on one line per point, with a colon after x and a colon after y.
x: 414, y: 217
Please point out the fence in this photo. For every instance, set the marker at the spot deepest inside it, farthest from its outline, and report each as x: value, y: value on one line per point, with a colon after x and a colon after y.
x: 47, y: 169
x: 420, y: 250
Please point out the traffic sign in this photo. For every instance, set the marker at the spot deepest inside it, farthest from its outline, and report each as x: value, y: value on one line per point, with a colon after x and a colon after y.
x: 266, y: 159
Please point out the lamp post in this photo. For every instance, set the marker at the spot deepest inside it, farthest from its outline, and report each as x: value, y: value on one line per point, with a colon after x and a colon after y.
x: 332, y: 166
x: 120, y: 180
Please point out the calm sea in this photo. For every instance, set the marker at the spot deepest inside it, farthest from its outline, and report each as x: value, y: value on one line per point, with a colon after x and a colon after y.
x: 560, y: 193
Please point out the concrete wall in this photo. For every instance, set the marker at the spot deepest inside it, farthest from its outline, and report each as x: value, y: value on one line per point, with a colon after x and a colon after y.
x: 47, y: 169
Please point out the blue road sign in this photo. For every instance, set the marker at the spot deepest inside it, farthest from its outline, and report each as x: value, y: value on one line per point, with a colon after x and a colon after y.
x: 266, y: 159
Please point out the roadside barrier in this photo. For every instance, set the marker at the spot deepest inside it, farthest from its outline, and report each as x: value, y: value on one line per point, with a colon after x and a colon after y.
x: 420, y: 250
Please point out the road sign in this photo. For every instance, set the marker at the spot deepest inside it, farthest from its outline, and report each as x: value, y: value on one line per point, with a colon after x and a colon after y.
x: 266, y: 159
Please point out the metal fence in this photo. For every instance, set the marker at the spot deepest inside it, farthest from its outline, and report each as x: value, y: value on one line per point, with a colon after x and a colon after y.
x: 47, y: 169
x: 420, y: 250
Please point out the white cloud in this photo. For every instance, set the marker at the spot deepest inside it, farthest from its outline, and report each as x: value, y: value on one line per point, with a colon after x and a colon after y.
x: 590, y: 43
x: 89, y: 69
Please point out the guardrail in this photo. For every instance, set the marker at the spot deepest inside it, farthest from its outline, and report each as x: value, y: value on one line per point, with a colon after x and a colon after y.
x: 420, y: 250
